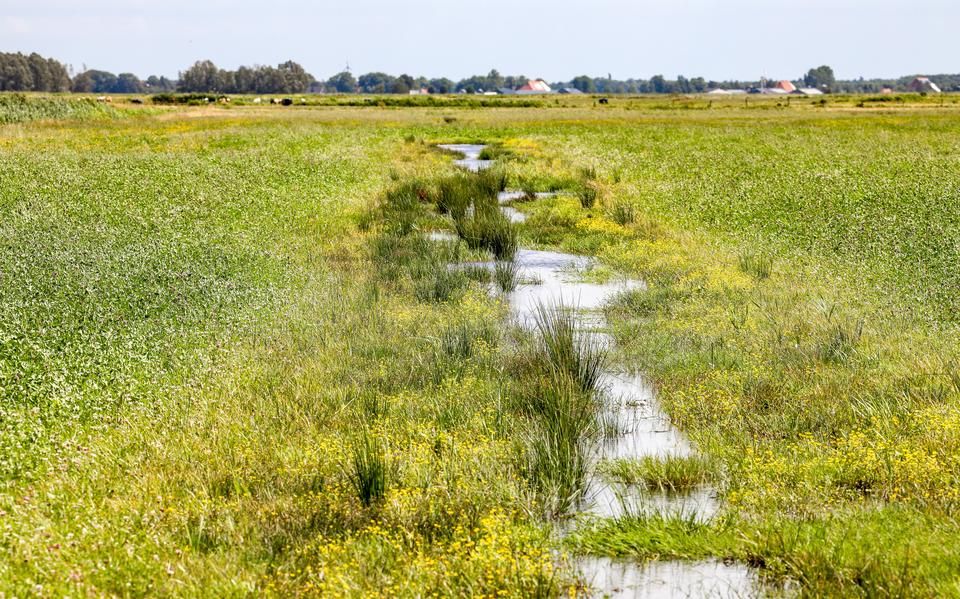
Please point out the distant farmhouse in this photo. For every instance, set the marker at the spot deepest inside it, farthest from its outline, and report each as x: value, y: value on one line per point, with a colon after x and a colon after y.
x: 785, y: 86
x: 923, y: 84
x: 780, y: 88
x: 534, y: 86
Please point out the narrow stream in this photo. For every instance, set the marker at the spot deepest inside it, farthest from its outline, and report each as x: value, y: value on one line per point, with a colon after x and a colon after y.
x: 640, y: 428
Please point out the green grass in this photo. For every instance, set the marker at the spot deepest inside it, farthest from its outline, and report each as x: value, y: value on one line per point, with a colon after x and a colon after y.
x: 759, y: 266
x: 660, y: 473
x: 196, y: 306
x: 506, y: 275
x: 568, y: 350
x: 20, y: 108
x: 368, y: 469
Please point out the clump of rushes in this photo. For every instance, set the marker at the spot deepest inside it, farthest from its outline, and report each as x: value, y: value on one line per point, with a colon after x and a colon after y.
x: 588, y: 196
x: 673, y: 473
x: 622, y: 212
x: 839, y: 341
x: 401, y: 206
x: 491, y: 181
x: 495, y: 152
x: 506, y: 274
x: 487, y: 228
x: 416, y: 259
x: 435, y: 281
x: 563, y: 435
x: 759, y: 266
x: 557, y: 381
x: 373, y: 405
x: 455, y: 194
x: 478, y: 272
x: 460, y: 340
x: 568, y: 351
x: 368, y: 467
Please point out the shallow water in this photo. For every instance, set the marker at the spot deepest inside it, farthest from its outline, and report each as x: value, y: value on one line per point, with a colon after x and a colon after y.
x: 471, y: 156
x: 511, y: 195
x: 669, y: 580
x: 631, y: 410
x: 559, y: 281
x: 513, y: 214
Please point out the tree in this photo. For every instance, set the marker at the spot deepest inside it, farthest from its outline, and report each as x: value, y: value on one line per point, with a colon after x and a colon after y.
x: 82, y: 83
x: 375, y: 83
x: 127, y: 83
x: 403, y: 84
x: 19, y: 72
x: 295, y: 78
x: 820, y: 77
x: 159, y: 84
x: 441, y: 86
x: 342, y: 82
x: 15, y: 73
x: 494, y: 80
x: 201, y: 77
x: 103, y: 81
x: 584, y: 84
x: 659, y: 84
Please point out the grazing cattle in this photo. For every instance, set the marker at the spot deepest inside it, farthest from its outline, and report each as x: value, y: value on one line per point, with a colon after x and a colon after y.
x: 257, y: 100
x: 604, y: 100
x: 104, y: 99
x: 136, y: 101
x: 274, y: 100
x: 286, y: 101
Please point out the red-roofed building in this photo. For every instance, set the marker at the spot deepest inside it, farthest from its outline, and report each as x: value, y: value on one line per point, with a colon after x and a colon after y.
x: 536, y: 86
x: 785, y: 86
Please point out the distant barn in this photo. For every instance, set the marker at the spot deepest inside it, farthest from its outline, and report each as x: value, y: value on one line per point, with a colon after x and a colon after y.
x: 534, y: 86
x: 785, y: 85
x: 923, y: 84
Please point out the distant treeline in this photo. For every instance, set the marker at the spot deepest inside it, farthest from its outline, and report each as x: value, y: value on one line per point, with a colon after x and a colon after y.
x: 20, y: 72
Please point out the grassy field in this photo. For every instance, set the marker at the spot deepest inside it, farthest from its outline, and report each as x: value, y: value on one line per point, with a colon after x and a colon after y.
x: 229, y: 366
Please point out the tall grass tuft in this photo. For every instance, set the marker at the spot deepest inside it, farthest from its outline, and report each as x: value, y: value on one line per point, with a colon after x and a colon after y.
x: 566, y: 349
x: 368, y: 468
x: 561, y: 440
x: 588, y: 196
x: 557, y: 383
x: 460, y: 340
x: 506, y: 275
x: 663, y: 473
x: 401, y: 207
x: 455, y: 194
x: 759, y: 266
x: 491, y: 181
x: 839, y: 341
x: 622, y: 212
x: 490, y: 230
x: 437, y: 282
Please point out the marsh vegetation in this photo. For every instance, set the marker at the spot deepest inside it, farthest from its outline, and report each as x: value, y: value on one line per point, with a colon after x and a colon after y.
x: 232, y: 360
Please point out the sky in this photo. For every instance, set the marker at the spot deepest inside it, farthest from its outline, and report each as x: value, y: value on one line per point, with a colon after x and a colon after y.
x: 551, y: 39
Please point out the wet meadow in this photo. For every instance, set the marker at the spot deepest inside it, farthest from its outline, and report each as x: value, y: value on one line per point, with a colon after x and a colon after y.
x: 266, y: 350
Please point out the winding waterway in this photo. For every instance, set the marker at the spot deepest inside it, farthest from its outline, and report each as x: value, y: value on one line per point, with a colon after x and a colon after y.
x: 636, y: 424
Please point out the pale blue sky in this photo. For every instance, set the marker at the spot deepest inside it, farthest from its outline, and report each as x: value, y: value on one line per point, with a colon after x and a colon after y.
x: 553, y: 39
